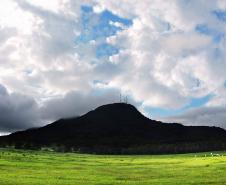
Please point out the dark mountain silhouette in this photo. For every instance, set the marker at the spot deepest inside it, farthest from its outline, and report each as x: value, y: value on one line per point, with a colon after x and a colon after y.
x: 118, y: 128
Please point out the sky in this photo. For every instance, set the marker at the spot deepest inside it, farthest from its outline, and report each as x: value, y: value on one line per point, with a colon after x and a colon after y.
x: 62, y: 58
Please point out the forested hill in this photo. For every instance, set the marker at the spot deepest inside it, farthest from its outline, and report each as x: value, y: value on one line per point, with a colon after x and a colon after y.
x: 118, y: 129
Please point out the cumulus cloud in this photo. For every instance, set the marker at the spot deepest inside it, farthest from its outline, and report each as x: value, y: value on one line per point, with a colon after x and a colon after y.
x: 44, y: 53
x: 172, y: 52
x: 165, y: 49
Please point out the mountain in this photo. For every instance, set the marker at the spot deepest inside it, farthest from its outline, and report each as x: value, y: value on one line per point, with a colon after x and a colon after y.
x: 117, y: 129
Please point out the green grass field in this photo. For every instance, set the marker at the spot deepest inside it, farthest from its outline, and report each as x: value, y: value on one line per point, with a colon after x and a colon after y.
x: 43, y: 168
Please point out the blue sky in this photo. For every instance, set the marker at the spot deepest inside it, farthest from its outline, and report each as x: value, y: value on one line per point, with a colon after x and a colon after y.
x: 193, y: 103
x: 70, y: 56
x: 97, y: 27
x: 216, y: 35
x: 220, y: 14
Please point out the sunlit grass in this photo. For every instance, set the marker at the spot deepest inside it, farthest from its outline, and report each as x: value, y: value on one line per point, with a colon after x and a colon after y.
x: 43, y: 168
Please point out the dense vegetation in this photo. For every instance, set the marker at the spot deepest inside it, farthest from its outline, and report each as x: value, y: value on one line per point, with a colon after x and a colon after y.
x: 18, y: 167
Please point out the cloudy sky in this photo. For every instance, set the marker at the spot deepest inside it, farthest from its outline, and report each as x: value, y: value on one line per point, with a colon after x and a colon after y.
x: 61, y: 58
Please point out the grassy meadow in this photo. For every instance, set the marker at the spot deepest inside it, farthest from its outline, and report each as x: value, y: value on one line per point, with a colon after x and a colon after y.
x: 18, y: 167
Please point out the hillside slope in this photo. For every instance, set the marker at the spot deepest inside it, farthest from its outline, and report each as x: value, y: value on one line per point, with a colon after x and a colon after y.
x: 118, y: 128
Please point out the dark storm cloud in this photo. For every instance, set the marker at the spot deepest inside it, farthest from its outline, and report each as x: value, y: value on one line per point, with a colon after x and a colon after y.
x: 16, y: 111
x: 20, y: 112
x: 209, y: 116
x: 39, y: 46
x: 76, y: 103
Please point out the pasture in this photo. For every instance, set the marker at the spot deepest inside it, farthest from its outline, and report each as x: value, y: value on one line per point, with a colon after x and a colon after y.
x: 18, y: 167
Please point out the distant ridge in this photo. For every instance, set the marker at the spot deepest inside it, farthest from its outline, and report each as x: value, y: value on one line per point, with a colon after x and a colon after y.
x: 118, y: 128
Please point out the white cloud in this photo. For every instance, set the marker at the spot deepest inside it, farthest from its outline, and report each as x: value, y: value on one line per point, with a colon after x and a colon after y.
x: 162, y: 61
x: 164, y: 49
x: 44, y: 58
